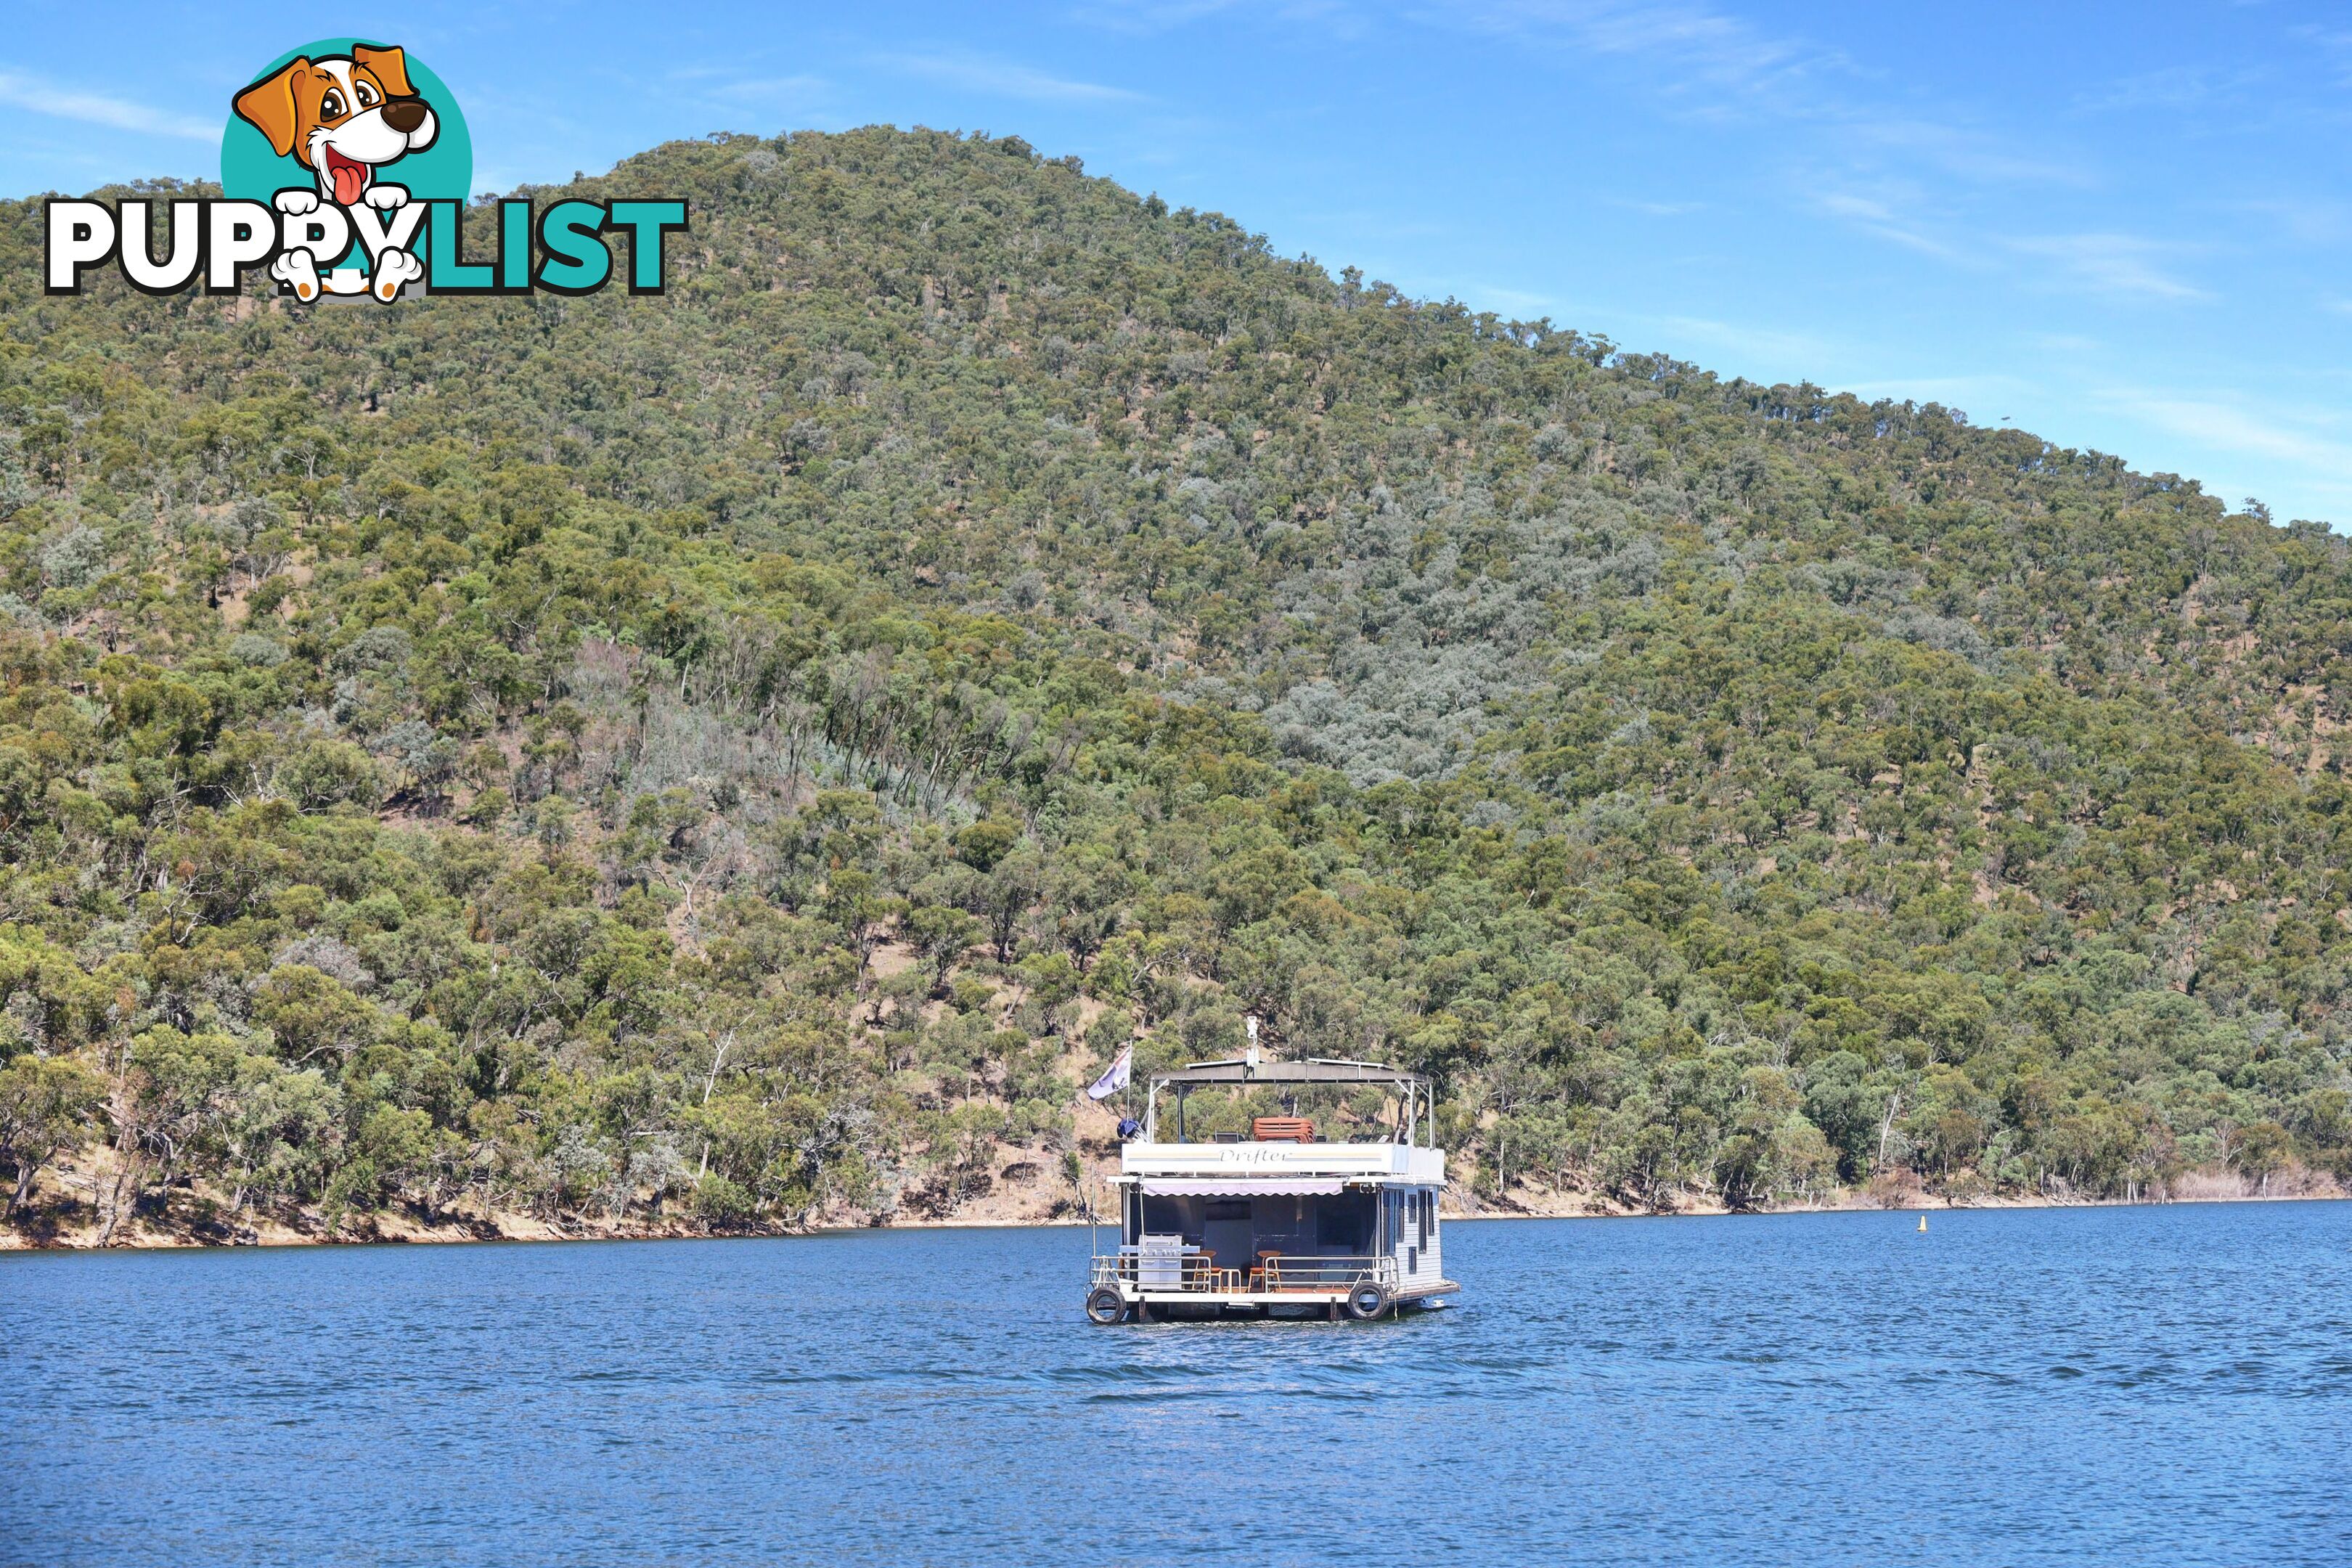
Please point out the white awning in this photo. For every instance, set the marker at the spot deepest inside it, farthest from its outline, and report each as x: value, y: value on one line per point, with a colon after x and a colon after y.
x: 1242, y: 1186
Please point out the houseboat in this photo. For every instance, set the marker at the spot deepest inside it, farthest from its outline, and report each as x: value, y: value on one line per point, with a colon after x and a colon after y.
x: 1333, y: 1217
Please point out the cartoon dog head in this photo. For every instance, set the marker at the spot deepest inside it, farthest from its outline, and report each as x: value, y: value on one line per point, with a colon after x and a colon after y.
x: 341, y: 116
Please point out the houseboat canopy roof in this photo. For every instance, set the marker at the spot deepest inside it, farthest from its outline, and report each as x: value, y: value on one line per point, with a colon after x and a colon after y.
x: 1317, y: 1069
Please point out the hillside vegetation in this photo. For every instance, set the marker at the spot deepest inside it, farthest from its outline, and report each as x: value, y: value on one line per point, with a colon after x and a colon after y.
x: 739, y: 758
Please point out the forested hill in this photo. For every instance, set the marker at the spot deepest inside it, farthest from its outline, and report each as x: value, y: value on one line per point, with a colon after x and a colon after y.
x: 741, y: 757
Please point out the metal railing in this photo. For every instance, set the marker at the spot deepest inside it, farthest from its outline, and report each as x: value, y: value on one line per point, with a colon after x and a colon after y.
x: 1274, y: 1275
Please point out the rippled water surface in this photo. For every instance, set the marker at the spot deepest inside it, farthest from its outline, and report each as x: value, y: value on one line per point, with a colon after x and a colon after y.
x: 2158, y: 1385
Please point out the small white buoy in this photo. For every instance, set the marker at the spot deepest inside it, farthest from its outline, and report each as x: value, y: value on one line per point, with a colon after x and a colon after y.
x: 1923, y: 1225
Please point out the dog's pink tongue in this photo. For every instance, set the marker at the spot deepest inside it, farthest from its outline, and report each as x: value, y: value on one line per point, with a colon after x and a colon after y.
x: 350, y: 179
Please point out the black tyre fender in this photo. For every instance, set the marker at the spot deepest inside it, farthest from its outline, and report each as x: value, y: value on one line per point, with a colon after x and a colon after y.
x: 1368, y: 1300
x: 1104, y: 1305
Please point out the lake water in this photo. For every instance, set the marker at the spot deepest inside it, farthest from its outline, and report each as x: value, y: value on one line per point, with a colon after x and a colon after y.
x: 2092, y: 1386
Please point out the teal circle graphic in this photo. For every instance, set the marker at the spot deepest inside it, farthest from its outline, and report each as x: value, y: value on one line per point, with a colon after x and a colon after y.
x: 252, y: 171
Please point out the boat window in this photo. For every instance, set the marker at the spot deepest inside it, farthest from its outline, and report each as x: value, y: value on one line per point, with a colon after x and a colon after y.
x: 1229, y: 1208
x: 1426, y: 1207
x: 1338, y: 1225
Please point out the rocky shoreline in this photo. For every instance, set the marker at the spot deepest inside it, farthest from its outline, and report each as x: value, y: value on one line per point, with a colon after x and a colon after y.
x: 64, y: 1220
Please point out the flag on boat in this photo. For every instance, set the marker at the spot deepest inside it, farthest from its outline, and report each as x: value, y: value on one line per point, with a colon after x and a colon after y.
x: 1115, y: 1077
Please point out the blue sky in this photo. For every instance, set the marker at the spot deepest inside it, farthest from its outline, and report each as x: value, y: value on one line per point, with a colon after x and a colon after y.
x: 2118, y: 226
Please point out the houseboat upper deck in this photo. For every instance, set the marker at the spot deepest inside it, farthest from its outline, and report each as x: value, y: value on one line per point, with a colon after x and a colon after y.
x: 1274, y: 1213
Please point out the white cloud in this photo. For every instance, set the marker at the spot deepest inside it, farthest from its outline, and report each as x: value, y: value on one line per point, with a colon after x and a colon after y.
x: 2173, y: 88
x: 1371, y: 226
x: 93, y: 109
x: 1006, y: 79
x: 796, y: 92
x: 1969, y: 154
x: 1875, y: 216
x: 2334, y: 46
x: 2238, y: 429
x: 1697, y: 46
x: 1148, y: 17
x: 1516, y: 300
x: 1779, y: 352
x: 2114, y: 263
x: 2319, y: 221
